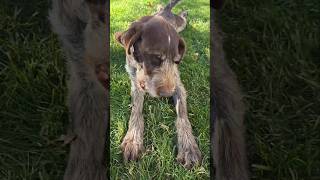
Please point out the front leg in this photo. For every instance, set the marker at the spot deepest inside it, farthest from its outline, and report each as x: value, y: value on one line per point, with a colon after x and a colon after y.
x: 188, y: 150
x: 132, y: 144
x: 89, y: 122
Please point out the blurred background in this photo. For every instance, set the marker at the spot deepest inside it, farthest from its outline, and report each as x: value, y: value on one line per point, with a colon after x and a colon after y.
x: 273, y: 46
x: 33, y: 114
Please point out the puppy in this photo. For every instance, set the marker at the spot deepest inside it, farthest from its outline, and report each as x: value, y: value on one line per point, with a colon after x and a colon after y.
x: 154, y: 50
x: 81, y: 28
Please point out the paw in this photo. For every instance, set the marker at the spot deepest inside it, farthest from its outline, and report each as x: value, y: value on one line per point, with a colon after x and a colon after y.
x: 131, y: 148
x: 189, y: 156
x: 159, y: 8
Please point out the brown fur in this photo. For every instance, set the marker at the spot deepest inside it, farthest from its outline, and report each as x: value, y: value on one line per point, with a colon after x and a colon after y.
x: 179, y: 22
x: 154, y: 49
x: 81, y: 29
x: 227, y: 114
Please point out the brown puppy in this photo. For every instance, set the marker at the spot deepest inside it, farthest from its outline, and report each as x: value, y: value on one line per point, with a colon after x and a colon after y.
x: 153, y: 51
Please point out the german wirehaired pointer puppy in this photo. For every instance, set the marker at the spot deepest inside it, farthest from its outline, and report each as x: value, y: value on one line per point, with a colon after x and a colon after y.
x: 153, y: 51
x: 81, y: 28
x: 227, y: 113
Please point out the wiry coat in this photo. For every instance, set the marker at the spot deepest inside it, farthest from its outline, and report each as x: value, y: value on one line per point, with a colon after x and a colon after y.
x: 82, y: 30
x: 228, y: 143
x: 153, y: 51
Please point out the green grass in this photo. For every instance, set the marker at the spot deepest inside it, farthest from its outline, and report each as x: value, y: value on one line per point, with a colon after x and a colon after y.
x: 32, y: 99
x: 274, y: 48
x: 158, y: 162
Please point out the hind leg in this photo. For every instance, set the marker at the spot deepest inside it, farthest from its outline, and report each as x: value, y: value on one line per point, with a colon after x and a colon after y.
x: 184, y: 14
x: 181, y: 21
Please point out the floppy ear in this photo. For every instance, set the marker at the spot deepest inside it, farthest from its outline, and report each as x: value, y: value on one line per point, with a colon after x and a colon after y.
x: 128, y: 38
x: 181, y: 51
x: 118, y: 36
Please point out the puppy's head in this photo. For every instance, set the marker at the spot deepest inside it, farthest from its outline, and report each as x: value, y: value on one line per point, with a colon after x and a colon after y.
x: 155, y: 49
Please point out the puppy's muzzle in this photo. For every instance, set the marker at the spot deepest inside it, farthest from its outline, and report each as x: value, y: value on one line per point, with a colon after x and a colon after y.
x: 165, y: 91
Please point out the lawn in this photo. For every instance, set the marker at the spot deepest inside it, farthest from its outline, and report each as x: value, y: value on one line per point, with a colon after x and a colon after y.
x: 32, y: 99
x: 158, y: 162
x: 273, y: 46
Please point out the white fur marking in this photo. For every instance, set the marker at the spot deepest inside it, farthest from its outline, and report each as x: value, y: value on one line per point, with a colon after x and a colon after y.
x: 178, y: 107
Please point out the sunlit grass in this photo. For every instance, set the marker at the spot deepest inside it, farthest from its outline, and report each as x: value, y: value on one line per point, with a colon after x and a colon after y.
x: 159, y: 139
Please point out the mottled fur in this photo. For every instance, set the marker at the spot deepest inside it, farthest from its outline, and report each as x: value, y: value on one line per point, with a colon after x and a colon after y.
x: 228, y: 143
x: 153, y: 51
x: 81, y: 28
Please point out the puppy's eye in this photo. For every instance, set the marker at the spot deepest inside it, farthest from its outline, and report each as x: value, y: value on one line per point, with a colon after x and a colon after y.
x: 159, y: 58
x: 157, y: 61
x: 137, y: 56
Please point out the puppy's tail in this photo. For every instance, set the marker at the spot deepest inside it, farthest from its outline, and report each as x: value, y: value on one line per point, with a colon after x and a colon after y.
x: 171, y: 5
x: 228, y: 141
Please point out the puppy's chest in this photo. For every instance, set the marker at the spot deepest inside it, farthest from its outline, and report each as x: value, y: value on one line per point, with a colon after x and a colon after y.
x: 131, y: 67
